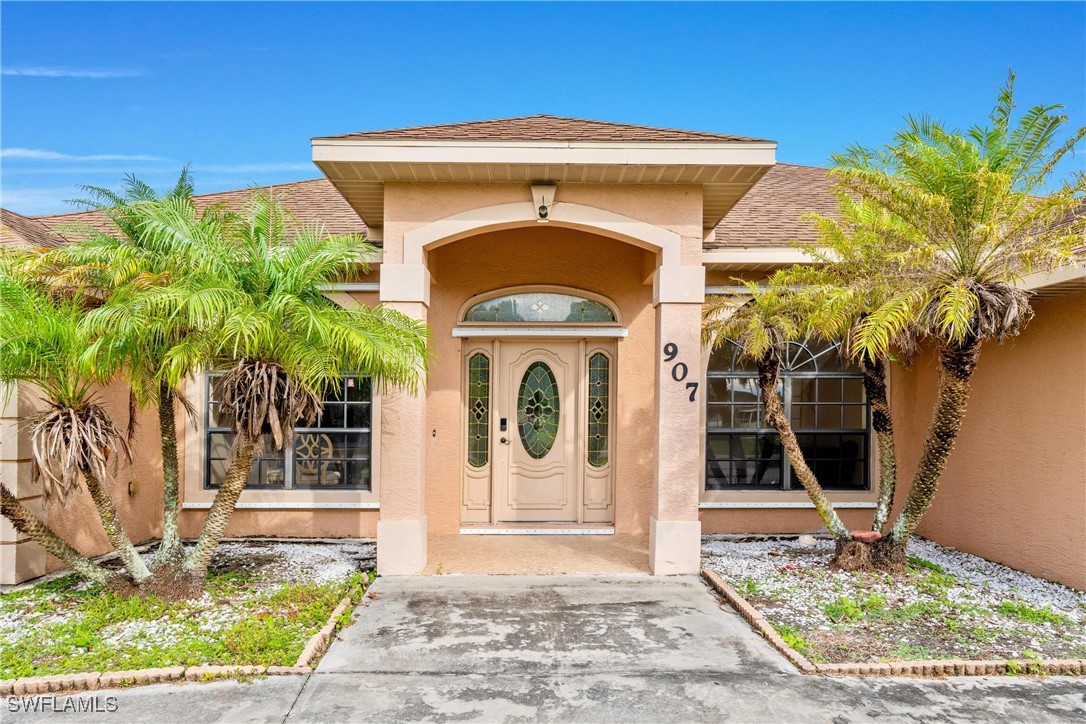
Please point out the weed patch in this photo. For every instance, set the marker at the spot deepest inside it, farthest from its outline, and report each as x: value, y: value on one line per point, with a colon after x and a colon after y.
x: 846, y: 609
x: 1025, y: 612
x: 793, y: 638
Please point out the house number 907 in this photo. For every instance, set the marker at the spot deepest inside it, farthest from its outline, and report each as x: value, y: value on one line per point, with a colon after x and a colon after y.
x: 679, y: 370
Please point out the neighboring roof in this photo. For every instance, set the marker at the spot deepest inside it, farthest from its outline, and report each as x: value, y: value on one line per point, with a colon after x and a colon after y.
x: 544, y: 128
x: 314, y: 201
x: 19, y: 230
x: 771, y: 214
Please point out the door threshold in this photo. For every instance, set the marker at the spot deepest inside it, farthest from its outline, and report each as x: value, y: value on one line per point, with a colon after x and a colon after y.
x: 537, y: 530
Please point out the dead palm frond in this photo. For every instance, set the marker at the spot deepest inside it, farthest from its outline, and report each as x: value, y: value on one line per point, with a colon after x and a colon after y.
x: 67, y: 442
x: 262, y: 398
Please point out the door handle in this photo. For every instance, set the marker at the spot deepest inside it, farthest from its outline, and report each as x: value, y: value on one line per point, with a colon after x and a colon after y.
x: 504, y: 441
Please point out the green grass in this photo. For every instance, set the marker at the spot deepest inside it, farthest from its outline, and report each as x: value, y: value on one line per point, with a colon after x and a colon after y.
x: 845, y: 609
x: 1025, y: 612
x: 66, y: 629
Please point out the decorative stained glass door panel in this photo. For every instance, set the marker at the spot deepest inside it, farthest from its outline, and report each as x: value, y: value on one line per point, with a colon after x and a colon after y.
x: 597, y: 498
x: 535, y: 459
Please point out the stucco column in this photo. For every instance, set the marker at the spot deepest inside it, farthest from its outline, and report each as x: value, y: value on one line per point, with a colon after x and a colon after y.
x: 20, y: 558
x: 401, y: 529
x: 674, y: 528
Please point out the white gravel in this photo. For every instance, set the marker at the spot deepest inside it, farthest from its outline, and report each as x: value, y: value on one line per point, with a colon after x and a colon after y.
x: 1001, y: 580
x: 753, y: 560
x: 271, y: 564
x: 792, y: 584
x: 297, y: 562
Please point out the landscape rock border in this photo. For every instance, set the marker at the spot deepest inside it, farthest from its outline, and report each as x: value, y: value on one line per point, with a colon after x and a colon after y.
x: 938, y: 669
x: 65, y: 683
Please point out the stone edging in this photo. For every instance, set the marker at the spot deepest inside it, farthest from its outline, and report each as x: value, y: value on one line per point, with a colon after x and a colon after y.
x: 63, y: 683
x: 940, y: 668
x: 757, y: 621
x: 320, y: 641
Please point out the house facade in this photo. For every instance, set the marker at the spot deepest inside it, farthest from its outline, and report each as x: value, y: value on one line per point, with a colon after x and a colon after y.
x: 561, y: 266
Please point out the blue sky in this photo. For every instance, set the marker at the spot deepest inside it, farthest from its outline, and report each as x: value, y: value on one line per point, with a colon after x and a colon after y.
x: 91, y: 91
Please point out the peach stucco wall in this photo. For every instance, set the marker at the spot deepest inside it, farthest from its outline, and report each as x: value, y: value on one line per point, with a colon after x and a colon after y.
x: 1014, y: 490
x: 674, y: 208
x: 774, y: 521
x: 544, y: 255
x: 319, y: 523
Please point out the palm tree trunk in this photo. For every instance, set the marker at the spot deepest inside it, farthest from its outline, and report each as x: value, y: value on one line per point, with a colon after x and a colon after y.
x: 768, y: 378
x: 883, y: 425
x: 170, y: 549
x: 956, y: 367
x: 218, y: 517
x: 26, y: 522
x: 111, y: 522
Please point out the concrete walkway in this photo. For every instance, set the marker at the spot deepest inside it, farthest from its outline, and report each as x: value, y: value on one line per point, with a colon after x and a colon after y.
x: 586, y: 649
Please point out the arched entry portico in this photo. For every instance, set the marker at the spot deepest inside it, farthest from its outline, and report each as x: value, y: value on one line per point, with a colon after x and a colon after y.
x: 670, y: 515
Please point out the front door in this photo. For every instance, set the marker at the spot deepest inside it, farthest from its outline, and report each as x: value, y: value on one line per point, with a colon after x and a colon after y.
x: 535, y: 471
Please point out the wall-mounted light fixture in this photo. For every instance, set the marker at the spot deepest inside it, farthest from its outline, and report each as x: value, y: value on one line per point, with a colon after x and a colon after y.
x: 543, y: 200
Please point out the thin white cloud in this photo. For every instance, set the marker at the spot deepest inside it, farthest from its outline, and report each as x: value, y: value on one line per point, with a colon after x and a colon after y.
x: 40, y: 200
x: 43, y: 72
x: 41, y: 154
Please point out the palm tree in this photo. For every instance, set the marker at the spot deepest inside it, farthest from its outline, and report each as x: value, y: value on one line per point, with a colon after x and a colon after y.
x: 119, y: 264
x: 933, y: 234
x: 42, y: 341
x: 774, y: 315
x: 850, y: 281
x: 267, y: 323
x: 982, y: 210
x: 797, y: 304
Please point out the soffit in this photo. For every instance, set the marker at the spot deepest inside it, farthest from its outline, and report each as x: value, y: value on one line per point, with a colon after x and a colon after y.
x: 359, y: 169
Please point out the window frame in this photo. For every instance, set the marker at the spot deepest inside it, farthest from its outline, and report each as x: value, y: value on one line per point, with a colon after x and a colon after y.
x: 193, y: 437
x: 784, y: 494
x: 287, y: 455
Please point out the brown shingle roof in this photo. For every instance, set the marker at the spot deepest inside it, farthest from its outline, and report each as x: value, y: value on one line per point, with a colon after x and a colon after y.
x: 770, y: 214
x: 314, y: 201
x: 542, y: 128
x: 19, y: 230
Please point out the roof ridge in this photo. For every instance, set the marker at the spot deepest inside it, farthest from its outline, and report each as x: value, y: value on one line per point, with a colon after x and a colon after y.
x: 562, y: 128
x: 803, y: 165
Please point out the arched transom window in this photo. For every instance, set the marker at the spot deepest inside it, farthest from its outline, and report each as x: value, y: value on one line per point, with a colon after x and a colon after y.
x: 823, y: 397
x: 541, y: 307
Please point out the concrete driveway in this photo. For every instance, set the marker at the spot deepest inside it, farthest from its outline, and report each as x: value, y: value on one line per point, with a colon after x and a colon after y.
x: 591, y: 649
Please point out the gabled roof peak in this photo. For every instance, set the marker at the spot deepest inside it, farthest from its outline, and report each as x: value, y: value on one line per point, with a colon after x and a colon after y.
x: 545, y: 127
